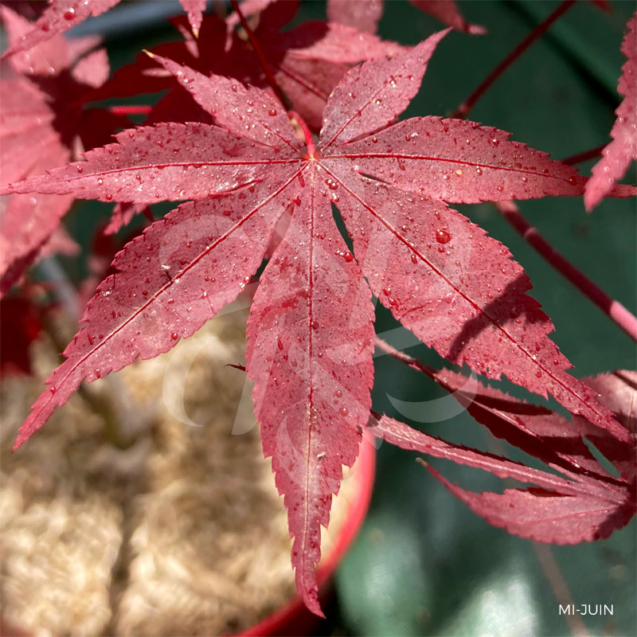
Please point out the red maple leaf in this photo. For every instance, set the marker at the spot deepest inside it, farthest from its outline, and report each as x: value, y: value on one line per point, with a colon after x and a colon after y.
x: 27, y: 221
x: 311, y: 325
x: 307, y: 61
x: 585, y: 503
x: 61, y: 15
x: 365, y: 14
x: 623, y: 149
x: 42, y: 122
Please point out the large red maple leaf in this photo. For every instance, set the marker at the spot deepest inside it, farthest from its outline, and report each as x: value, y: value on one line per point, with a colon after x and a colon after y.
x: 311, y: 325
x: 623, y: 149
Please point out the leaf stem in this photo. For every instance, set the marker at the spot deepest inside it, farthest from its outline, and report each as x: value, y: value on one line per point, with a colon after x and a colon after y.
x: 584, y: 156
x: 612, y: 308
x: 408, y: 360
x: 259, y: 53
x: 309, y: 141
x: 537, y: 32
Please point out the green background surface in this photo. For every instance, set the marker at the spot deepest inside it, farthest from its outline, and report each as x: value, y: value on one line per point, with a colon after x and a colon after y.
x: 423, y: 564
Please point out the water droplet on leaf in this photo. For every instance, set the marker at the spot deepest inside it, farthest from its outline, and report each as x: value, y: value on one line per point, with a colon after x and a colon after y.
x: 442, y: 236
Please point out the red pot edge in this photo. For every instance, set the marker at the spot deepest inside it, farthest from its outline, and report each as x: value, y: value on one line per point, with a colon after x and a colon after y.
x: 295, y: 612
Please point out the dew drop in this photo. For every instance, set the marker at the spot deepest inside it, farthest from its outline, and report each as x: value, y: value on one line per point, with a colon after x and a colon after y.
x: 414, y: 259
x: 442, y: 236
x: 272, y: 112
x: 343, y: 411
x: 338, y: 393
x: 174, y: 336
x: 315, y: 325
x: 478, y: 171
x: 69, y: 14
x: 52, y: 389
x: 100, y: 182
x: 348, y: 256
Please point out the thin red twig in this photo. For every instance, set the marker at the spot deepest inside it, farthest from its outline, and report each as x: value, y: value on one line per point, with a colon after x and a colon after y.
x: 560, y: 588
x: 259, y: 53
x: 612, y: 308
x: 130, y: 110
x: 538, y: 32
x: 587, y: 154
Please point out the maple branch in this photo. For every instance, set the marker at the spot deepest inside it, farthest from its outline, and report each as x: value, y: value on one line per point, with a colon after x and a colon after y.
x: 122, y: 420
x: 587, y: 154
x: 53, y: 273
x: 612, y: 308
x: 537, y: 32
x: 130, y: 110
x: 259, y: 53
x: 559, y: 587
x: 103, y: 406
